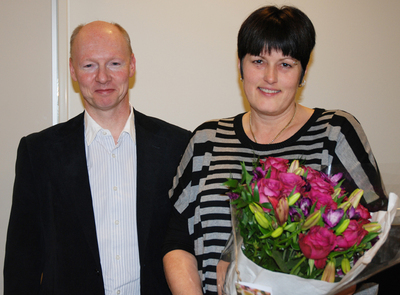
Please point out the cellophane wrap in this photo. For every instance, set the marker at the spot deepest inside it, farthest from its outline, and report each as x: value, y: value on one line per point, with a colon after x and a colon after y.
x: 283, y: 284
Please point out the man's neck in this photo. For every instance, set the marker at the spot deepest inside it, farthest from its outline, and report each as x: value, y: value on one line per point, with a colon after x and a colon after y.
x: 112, y: 120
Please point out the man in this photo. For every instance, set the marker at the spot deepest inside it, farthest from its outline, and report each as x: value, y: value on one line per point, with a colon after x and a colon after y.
x: 90, y: 201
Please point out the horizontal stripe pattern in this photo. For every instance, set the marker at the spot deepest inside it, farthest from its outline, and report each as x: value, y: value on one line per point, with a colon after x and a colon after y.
x: 218, y: 147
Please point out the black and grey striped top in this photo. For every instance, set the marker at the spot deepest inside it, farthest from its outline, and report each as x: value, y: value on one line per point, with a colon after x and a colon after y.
x: 202, y: 223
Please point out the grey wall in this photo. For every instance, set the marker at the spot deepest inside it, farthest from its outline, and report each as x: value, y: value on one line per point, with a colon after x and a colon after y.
x: 25, y: 83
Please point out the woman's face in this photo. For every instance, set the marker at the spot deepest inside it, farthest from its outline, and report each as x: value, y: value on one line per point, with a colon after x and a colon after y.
x: 270, y: 81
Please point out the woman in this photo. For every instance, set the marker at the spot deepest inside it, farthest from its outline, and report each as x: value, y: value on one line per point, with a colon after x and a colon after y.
x: 274, y: 47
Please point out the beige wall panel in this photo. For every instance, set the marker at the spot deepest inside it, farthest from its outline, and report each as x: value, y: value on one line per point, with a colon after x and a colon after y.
x: 187, y: 68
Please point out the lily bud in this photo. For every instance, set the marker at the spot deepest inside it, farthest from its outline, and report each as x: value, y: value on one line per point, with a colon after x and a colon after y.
x: 299, y: 171
x: 372, y: 227
x: 355, y: 197
x: 293, y: 166
x: 276, y: 233
x: 329, y: 272
x: 291, y: 227
x: 345, y: 265
x: 262, y: 220
x: 336, y: 193
x: 294, y: 198
x: 345, y: 206
x: 255, y: 207
x: 312, y: 220
x: 342, y: 227
x: 282, y: 211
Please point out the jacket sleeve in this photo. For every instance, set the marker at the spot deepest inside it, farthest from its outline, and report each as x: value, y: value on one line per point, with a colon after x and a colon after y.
x: 23, y: 257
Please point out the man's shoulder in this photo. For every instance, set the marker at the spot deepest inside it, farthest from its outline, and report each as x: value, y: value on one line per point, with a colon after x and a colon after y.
x: 59, y: 130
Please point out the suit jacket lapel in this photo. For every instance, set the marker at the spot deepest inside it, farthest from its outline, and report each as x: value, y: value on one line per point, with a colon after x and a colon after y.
x: 71, y: 148
x: 147, y: 148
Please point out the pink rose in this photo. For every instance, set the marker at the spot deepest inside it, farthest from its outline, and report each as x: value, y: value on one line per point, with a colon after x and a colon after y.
x: 322, y: 200
x: 277, y: 165
x: 289, y: 181
x: 312, y: 174
x: 320, y: 263
x: 363, y: 212
x: 269, y: 188
x: 353, y: 234
x: 318, y: 184
x: 317, y: 243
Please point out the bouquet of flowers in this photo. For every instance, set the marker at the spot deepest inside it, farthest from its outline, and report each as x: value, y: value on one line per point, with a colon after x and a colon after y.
x: 295, y: 220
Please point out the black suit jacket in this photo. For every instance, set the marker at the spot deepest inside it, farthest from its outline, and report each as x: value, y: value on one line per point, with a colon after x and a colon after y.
x: 51, y: 241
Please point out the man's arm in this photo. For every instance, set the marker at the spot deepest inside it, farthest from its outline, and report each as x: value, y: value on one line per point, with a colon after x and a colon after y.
x: 180, y: 269
x: 22, y: 264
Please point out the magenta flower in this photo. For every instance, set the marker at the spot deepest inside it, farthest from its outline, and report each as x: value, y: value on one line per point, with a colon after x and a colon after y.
x: 269, y: 188
x: 351, y: 236
x: 291, y: 181
x: 322, y: 199
x: 317, y: 243
x: 332, y: 217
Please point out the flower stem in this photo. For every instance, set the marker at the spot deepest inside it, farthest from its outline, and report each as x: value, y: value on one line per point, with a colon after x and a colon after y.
x: 297, y: 265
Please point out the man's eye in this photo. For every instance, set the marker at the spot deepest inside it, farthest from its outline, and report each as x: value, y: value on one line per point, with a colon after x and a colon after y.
x: 87, y: 66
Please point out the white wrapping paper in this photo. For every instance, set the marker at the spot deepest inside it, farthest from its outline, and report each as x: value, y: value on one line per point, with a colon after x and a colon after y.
x: 283, y: 284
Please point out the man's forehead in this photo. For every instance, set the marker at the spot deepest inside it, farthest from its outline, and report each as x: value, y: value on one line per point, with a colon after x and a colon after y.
x: 99, y: 34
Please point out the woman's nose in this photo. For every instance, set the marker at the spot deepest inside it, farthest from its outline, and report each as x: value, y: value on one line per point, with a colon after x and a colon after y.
x: 271, y: 74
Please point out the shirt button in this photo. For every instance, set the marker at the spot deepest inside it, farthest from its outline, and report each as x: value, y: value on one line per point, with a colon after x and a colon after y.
x: 113, y: 155
x: 118, y: 292
x: 117, y: 257
x: 104, y: 133
x: 116, y: 222
x: 114, y: 188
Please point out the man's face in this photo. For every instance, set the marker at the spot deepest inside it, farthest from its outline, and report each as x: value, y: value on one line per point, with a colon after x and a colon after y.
x: 101, y: 63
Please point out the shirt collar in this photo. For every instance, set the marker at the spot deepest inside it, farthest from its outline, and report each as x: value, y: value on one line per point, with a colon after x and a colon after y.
x: 92, y: 128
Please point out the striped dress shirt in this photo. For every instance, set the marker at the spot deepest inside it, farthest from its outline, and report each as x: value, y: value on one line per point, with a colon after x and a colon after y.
x: 112, y: 176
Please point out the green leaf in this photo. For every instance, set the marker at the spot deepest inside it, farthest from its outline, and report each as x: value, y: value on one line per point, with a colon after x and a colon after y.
x: 256, y: 195
x: 231, y: 183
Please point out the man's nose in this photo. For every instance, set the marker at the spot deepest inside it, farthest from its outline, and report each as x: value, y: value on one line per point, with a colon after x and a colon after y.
x: 102, y: 75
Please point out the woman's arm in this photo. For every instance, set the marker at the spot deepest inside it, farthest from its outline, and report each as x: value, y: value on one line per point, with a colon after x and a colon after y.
x: 180, y: 269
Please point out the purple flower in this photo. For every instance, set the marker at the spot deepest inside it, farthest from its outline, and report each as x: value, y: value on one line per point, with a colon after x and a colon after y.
x: 259, y: 173
x: 332, y: 217
x: 333, y: 180
x: 294, y: 214
x: 305, y: 205
x: 352, y: 214
x: 233, y: 196
x: 307, y: 185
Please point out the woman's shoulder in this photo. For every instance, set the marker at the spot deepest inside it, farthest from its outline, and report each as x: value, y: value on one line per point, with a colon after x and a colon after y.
x: 336, y: 117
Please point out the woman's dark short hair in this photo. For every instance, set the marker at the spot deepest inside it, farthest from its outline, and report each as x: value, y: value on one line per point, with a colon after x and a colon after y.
x: 285, y: 29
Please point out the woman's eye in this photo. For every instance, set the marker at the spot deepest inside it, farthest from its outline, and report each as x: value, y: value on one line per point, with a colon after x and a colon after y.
x: 258, y: 61
x: 286, y: 65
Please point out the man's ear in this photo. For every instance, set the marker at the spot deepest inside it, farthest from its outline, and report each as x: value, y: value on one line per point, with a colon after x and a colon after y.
x: 132, y: 65
x: 72, y: 70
